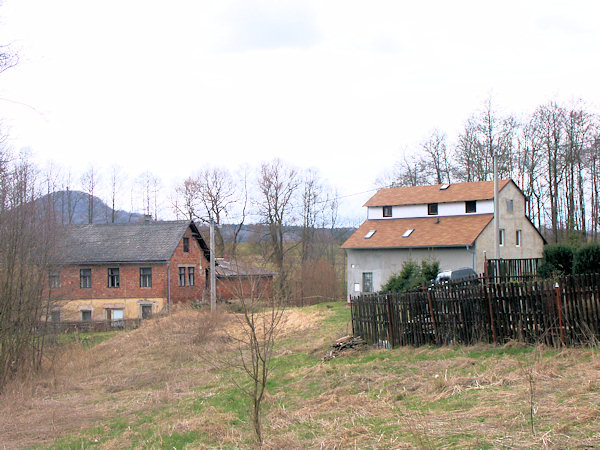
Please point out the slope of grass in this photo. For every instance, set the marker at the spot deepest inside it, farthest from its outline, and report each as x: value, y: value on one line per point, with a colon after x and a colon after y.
x: 158, y: 387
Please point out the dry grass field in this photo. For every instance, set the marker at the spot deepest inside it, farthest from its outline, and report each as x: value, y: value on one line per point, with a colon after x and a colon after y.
x: 159, y: 387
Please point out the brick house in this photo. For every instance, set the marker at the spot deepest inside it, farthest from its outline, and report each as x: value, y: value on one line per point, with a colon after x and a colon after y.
x: 129, y: 270
x: 450, y: 223
x: 239, y: 280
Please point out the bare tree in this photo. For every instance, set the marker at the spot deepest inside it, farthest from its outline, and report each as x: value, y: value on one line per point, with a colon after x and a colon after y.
x: 410, y: 171
x: 8, y: 59
x: 277, y: 185
x: 26, y: 244
x: 208, y: 196
x: 187, y: 200
x: 436, y: 157
x: 116, y: 182
x: 242, y: 202
x: 549, y: 122
x: 468, y: 154
x: 245, y: 347
x: 89, y: 181
x: 149, y: 185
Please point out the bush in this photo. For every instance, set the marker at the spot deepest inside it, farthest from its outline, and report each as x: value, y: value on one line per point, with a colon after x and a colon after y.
x: 587, y: 259
x: 411, y: 276
x: 557, y: 260
x: 429, y: 270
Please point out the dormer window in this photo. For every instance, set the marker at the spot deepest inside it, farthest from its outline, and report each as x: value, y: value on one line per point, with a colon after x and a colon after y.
x: 470, y: 206
x: 387, y: 211
x: 432, y: 209
x: 370, y: 234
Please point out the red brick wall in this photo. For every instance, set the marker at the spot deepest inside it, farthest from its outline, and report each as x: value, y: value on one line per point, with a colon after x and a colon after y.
x: 230, y: 288
x: 129, y: 278
x: 129, y: 282
x: 194, y: 257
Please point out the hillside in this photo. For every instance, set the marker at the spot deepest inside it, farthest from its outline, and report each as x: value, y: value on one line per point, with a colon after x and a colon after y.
x: 159, y: 386
x: 72, y: 207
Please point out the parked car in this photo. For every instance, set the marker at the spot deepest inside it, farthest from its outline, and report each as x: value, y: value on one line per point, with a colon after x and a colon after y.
x: 455, y: 275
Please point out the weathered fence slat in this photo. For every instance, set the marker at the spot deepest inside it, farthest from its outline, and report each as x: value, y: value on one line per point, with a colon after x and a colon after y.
x: 567, y: 313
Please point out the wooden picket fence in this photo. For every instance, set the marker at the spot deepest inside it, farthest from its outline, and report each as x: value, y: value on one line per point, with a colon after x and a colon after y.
x: 503, y: 270
x: 562, y: 312
x: 89, y: 326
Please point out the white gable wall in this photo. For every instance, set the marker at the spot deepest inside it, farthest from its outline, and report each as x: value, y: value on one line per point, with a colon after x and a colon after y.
x: 444, y: 209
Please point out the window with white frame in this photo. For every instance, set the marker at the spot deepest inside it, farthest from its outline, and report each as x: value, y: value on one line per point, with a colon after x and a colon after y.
x: 501, y: 237
x: 518, y: 238
x: 113, y: 277
x: 191, y: 278
x: 145, y: 276
x: 85, y: 278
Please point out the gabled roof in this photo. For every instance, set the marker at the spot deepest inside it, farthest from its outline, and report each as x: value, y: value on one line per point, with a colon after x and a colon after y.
x: 439, y: 231
x: 414, y: 195
x: 124, y: 242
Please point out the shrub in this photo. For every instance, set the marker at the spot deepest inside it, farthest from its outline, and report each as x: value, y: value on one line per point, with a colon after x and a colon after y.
x: 556, y: 260
x: 411, y: 276
x: 587, y: 259
x: 429, y: 270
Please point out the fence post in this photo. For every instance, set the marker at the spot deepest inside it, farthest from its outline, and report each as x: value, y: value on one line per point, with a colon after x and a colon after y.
x: 435, y: 333
x: 388, y: 305
x: 560, y: 316
x: 489, y: 297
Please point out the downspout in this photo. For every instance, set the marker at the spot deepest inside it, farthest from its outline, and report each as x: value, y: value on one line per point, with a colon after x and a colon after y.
x: 169, y: 287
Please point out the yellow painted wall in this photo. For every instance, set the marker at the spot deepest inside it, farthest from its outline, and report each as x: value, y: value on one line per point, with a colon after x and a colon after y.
x: 71, y: 309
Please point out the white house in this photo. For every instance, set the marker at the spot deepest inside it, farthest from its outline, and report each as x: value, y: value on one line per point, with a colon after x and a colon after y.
x: 450, y: 223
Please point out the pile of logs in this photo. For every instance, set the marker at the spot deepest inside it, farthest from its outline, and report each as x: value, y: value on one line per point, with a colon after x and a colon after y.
x: 343, y: 344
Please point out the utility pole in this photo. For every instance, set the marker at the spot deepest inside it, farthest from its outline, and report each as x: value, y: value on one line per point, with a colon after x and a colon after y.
x: 496, y: 207
x: 213, y: 275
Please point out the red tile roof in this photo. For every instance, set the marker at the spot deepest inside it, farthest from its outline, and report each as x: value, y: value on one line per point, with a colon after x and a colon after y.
x: 414, y: 195
x: 439, y: 231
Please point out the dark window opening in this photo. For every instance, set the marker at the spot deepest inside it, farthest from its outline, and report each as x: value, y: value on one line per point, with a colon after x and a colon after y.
x: 113, y: 277
x: 387, y: 211
x: 186, y: 244
x: 54, y: 280
x: 146, y: 311
x: 55, y: 315
x: 367, y: 278
x: 432, y: 209
x: 85, y: 278
x: 145, y: 276
x: 182, y: 276
x: 471, y: 206
x: 86, y: 314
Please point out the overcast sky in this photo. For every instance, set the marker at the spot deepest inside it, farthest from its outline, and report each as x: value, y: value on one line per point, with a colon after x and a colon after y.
x: 342, y: 86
